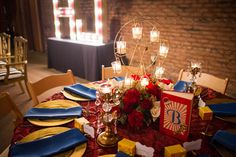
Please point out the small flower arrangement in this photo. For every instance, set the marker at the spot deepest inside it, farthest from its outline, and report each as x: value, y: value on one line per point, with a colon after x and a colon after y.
x: 137, y: 100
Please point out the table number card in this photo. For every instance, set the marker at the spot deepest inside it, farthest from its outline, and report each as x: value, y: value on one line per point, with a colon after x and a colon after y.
x: 176, y: 109
x: 144, y: 150
x: 193, y: 145
x: 89, y: 130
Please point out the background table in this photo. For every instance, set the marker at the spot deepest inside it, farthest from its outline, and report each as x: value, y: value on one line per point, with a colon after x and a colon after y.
x: 84, y: 60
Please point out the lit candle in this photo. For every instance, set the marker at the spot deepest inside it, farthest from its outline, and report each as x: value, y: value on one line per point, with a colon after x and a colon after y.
x: 137, y: 32
x: 154, y: 36
x: 164, y: 50
x: 159, y: 72
x: 195, y: 65
x: 144, y: 82
x: 105, y: 88
x: 116, y: 66
x: 121, y: 47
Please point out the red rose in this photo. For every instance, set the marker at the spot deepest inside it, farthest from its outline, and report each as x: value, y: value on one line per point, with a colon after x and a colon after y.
x: 135, y: 77
x: 154, y: 90
x: 166, y: 81
x: 146, y: 104
x: 135, y: 119
x: 147, y: 76
x: 131, y: 97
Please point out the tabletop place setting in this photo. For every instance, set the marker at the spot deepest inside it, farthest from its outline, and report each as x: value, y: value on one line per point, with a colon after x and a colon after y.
x: 125, y: 90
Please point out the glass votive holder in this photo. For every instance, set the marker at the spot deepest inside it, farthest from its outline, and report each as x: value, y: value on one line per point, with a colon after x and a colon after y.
x: 164, y: 48
x: 128, y: 82
x: 195, y: 65
x: 154, y: 36
x: 137, y: 32
x: 116, y: 66
x: 121, y: 47
x: 105, y: 88
x: 159, y: 72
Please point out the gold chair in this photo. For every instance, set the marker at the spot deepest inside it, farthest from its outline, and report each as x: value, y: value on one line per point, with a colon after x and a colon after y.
x: 9, y: 115
x: 16, y: 70
x: 5, y: 48
x: 39, y: 87
x: 206, y: 80
x: 107, y: 72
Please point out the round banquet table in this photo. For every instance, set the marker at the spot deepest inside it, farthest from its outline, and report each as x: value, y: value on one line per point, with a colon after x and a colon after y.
x: 149, y: 136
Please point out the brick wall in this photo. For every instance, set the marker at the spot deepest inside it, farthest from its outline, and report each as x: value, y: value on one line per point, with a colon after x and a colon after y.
x: 197, y: 30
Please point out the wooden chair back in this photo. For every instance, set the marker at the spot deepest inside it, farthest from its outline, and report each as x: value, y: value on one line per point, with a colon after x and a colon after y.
x: 39, y: 87
x: 20, y: 49
x: 107, y: 72
x: 5, y: 47
x: 16, y: 70
x: 10, y: 117
x: 206, y: 80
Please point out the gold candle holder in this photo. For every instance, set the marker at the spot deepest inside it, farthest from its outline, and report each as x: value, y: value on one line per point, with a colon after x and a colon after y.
x: 195, y: 69
x: 107, y: 138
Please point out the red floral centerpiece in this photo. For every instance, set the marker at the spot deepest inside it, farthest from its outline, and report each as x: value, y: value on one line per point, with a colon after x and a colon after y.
x: 138, y: 99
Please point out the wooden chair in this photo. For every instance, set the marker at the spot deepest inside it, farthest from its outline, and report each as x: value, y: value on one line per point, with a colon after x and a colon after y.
x: 107, y: 72
x: 39, y: 87
x: 9, y: 113
x: 206, y: 80
x: 16, y: 70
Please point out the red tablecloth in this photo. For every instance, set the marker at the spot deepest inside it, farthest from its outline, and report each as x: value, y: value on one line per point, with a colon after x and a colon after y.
x: 149, y: 136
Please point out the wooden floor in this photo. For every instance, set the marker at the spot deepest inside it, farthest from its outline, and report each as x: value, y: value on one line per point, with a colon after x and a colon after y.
x: 37, y: 69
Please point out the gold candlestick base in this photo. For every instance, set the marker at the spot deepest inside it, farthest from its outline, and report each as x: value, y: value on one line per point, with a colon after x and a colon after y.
x: 107, y: 139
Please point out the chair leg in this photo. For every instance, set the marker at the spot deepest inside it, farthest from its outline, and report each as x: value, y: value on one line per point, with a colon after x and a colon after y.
x: 21, y: 87
x: 27, y: 89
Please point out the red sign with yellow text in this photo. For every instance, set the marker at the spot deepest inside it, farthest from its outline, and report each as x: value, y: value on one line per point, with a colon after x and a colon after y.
x: 176, y: 109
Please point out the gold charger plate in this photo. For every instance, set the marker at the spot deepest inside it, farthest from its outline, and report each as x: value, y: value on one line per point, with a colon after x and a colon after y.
x: 54, y: 104
x: 224, y: 152
x: 107, y: 155
x: 74, y: 97
x: 219, y: 100
x: 44, y: 133
x: 231, y: 119
x: 93, y: 85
